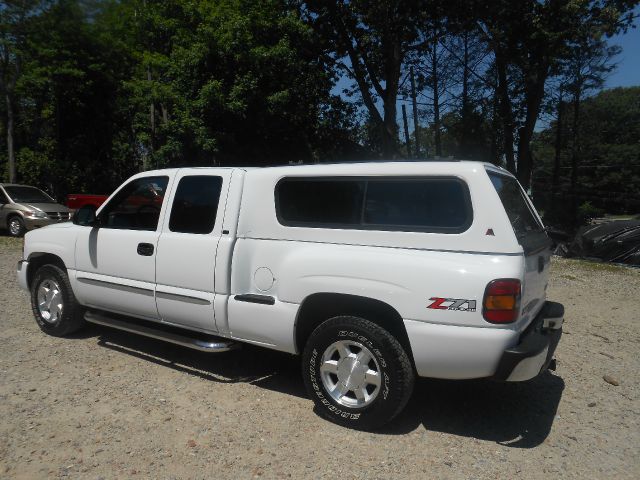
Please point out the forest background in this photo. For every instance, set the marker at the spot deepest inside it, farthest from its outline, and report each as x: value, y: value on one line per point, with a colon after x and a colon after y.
x: 96, y: 90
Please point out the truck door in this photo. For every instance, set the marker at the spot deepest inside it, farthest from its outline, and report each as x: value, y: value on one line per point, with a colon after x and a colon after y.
x: 116, y: 260
x: 185, y: 265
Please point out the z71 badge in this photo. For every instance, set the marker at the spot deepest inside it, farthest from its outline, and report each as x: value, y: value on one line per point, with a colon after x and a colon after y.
x: 457, y: 304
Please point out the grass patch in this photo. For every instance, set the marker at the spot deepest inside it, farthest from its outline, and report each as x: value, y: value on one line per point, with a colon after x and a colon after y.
x: 601, y: 267
x: 620, y: 217
x: 10, y: 242
x: 569, y: 277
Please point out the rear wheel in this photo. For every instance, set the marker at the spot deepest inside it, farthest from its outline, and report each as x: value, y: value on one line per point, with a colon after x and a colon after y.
x: 53, y: 303
x: 356, y: 372
x: 16, y: 226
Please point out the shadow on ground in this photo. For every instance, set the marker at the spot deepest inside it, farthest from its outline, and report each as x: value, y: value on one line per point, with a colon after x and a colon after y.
x: 518, y: 415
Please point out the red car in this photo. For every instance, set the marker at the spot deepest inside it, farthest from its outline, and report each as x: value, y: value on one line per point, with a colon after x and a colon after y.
x: 77, y: 200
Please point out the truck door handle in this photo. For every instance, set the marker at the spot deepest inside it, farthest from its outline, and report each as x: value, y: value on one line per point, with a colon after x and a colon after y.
x: 145, y: 249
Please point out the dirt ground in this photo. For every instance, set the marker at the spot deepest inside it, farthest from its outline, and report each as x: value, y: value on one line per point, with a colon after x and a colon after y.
x: 105, y: 404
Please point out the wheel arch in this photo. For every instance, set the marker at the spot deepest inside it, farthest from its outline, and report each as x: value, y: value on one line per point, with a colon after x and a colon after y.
x: 38, y: 259
x: 318, y: 307
x: 15, y: 213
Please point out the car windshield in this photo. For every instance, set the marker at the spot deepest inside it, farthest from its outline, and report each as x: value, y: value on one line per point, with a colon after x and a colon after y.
x: 27, y: 195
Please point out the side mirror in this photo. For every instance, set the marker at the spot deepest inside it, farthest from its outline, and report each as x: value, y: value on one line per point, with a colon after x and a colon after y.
x: 86, y: 216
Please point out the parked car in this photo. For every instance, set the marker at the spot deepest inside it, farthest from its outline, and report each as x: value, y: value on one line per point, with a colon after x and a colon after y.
x: 24, y: 208
x: 374, y: 273
x: 75, y: 201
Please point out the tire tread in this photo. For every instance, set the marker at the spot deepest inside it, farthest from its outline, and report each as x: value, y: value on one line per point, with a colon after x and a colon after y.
x: 404, y: 376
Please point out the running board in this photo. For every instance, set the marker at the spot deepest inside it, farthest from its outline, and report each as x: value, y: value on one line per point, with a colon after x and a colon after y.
x: 201, y: 342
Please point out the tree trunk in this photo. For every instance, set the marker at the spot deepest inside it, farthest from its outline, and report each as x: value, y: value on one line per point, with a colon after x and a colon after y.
x: 436, y: 100
x: 506, y: 114
x: 390, y: 126
x: 10, y: 148
x: 495, y: 155
x: 393, y: 65
x: 165, y: 114
x: 366, y: 77
x: 555, y: 180
x: 416, y: 123
x: 534, y: 94
x: 152, y: 121
x: 407, y: 138
x: 574, y: 140
x: 465, y: 149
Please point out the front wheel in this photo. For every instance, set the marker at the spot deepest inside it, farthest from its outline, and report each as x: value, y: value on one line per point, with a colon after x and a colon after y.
x: 54, y: 305
x: 16, y: 226
x: 356, y: 372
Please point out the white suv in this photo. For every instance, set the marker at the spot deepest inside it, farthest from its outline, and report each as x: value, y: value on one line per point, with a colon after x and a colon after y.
x: 374, y: 272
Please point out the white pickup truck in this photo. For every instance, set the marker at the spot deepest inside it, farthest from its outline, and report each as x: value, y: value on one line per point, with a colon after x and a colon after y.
x: 373, y: 272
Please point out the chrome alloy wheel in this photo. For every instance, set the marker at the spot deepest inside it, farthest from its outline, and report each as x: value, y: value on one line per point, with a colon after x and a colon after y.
x: 350, y: 374
x: 50, y: 302
x: 15, y: 226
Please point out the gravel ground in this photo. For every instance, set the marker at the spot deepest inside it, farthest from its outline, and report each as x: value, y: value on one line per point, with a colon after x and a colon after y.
x: 104, y: 404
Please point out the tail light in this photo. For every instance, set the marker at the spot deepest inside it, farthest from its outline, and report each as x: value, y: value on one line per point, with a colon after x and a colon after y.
x: 501, y: 303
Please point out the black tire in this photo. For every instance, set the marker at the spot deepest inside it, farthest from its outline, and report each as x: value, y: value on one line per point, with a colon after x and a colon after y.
x: 13, y: 231
x: 72, y: 317
x: 390, y: 360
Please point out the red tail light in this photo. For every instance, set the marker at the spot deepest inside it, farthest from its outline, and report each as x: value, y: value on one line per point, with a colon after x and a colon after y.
x: 501, y: 303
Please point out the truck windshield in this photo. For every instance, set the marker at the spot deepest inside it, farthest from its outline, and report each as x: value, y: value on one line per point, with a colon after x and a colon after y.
x: 522, y: 218
x: 27, y: 195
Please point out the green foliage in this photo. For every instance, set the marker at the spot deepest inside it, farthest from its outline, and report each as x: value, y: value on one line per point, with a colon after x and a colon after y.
x: 586, y: 212
x: 35, y: 166
x: 108, y: 88
x: 608, y: 173
x: 101, y: 89
x: 230, y: 82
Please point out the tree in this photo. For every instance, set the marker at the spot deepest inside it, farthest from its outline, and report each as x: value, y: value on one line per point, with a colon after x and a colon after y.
x: 110, y: 87
x: 584, y: 70
x: 68, y: 95
x: 243, y: 83
x: 14, y: 20
x: 371, y: 41
x: 437, y: 75
x: 609, y: 177
x: 527, y: 39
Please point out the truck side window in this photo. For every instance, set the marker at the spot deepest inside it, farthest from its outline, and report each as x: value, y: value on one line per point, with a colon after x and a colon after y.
x: 421, y: 204
x: 513, y: 198
x: 195, y: 204
x: 137, y: 206
x: 320, y: 202
x: 437, y: 203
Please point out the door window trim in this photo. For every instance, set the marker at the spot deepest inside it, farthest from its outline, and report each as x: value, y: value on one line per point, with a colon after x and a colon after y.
x: 217, y: 207
x: 104, y: 207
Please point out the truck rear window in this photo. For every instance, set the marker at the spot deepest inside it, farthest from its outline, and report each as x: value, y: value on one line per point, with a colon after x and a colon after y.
x: 515, y: 204
x: 423, y: 204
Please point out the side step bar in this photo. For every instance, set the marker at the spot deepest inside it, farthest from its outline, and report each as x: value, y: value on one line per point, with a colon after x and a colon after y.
x: 201, y: 342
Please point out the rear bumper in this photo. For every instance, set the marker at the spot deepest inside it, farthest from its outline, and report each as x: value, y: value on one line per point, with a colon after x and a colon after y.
x: 456, y: 352
x: 537, y: 344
